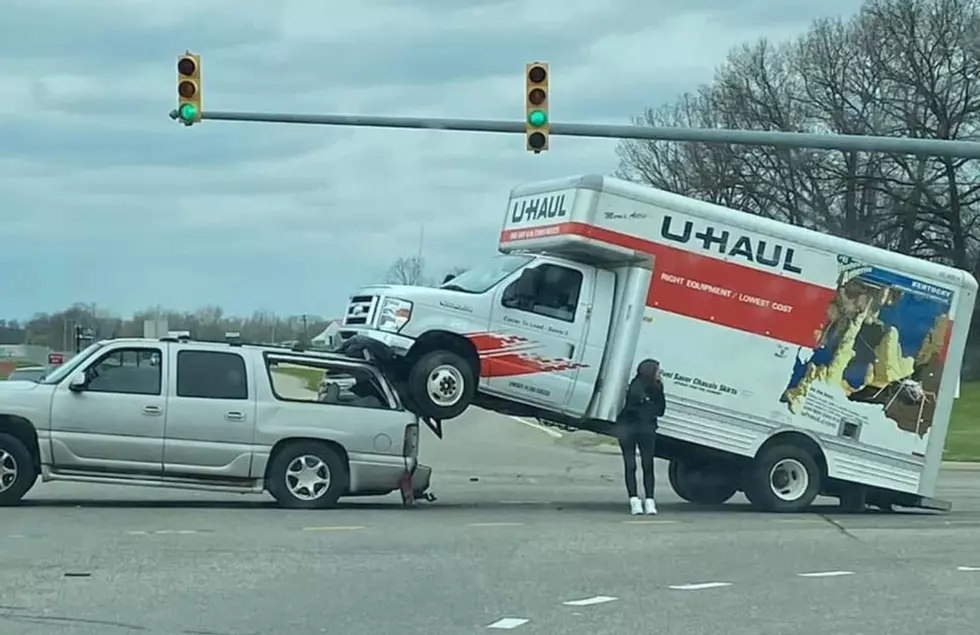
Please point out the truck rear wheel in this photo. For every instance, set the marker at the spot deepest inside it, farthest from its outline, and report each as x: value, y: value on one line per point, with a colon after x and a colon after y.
x: 442, y: 384
x: 17, y: 473
x: 783, y: 478
x: 707, y: 486
x: 307, y: 475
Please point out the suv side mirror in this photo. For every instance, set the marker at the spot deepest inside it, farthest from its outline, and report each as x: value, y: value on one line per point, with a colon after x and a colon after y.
x: 448, y: 277
x: 77, y: 382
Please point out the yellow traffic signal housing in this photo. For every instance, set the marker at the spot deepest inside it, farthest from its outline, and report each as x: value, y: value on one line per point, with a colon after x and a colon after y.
x: 189, y: 88
x: 537, y: 122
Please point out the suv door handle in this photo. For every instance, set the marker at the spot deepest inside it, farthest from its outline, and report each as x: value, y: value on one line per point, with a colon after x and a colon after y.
x: 235, y: 416
x: 152, y: 410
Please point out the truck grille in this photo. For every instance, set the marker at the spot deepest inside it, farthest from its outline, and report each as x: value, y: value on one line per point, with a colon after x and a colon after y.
x: 360, y: 310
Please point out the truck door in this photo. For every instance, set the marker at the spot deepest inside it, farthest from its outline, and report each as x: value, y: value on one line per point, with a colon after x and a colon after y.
x: 541, y: 318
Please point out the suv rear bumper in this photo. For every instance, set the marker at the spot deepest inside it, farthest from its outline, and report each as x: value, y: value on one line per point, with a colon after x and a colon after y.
x: 421, y: 479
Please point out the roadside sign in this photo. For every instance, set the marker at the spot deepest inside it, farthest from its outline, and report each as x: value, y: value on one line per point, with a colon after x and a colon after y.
x: 56, y: 359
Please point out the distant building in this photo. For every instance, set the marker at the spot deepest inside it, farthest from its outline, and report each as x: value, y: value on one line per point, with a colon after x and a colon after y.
x: 328, y: 337
x: 24, y: 353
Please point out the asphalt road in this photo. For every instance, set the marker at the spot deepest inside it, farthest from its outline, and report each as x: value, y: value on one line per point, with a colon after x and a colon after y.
x: 528, y: 533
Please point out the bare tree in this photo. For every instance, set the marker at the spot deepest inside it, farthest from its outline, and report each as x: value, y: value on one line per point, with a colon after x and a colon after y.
x: 899, y: 67
x: 907, y: 68
x: 408, y: 270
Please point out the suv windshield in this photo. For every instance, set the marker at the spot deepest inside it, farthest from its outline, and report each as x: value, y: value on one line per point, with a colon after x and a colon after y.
x: 56, y: 375
x: 483, y: 277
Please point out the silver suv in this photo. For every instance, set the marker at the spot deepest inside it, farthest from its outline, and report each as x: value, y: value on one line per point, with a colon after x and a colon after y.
x: 210, y: 416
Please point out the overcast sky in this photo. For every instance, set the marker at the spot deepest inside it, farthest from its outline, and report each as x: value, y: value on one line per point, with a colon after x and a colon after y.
x: 105, y: 200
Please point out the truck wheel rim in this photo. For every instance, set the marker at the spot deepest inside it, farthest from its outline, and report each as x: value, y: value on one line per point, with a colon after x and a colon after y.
x: 445, y: 385
x: 307, y: 477
x: 789, y: 479
x: 8, y: 470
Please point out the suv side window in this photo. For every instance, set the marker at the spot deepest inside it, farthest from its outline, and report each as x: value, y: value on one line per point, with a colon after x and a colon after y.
x: 327, y: 383
x: 555, y: 295
x: 128, y: 371
x: 211, y: 375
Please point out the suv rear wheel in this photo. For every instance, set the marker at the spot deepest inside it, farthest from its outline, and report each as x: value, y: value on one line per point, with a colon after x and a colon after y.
x: 17, y: 473
x: 307, y: 475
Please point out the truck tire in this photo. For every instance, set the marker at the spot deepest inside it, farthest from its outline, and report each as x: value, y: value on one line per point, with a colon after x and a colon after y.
x: 17, y: 472
x: 700, y: 487
x: 307, y: 475
x: 442, y: 384
x: 783, y: 479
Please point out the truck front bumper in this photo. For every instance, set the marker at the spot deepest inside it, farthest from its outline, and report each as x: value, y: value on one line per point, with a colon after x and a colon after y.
x: 399, y: 344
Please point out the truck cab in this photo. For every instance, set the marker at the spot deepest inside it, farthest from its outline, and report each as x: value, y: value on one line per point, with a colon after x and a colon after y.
x: 529, y: 332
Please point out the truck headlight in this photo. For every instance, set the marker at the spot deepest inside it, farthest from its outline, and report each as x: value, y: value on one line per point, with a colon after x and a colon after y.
x: 395, y: 313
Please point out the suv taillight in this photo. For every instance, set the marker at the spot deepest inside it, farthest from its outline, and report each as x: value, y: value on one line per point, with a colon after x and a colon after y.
x: 411, y: 446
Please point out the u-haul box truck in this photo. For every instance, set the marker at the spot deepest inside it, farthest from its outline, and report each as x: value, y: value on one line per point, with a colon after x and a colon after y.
x: 794, y: 363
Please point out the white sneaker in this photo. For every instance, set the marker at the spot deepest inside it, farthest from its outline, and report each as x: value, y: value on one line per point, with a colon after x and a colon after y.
x: 650, y: 507
x: 636, y: 508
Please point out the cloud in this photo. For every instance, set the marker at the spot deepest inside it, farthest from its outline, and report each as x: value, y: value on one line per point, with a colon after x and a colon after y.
x: 107, y: 200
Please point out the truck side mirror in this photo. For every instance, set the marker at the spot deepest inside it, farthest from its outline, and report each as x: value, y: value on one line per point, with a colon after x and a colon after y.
x: 77, y: 382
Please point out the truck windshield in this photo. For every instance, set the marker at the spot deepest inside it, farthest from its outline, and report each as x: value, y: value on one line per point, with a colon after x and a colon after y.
x: 56, y: 375
x: 485, y: 276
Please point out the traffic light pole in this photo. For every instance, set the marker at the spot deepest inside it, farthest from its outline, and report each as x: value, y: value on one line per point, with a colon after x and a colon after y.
x: 860, y: 143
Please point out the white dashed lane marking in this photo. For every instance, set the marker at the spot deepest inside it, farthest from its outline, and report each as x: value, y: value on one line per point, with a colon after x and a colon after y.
x: 599, y: 599
x: 699, y: 586
x: 509, y: 622
x: 968, y: 568
x: 825, y: 574
x: 495, y: 525
x: 334, y: 528
x: 164, y: 532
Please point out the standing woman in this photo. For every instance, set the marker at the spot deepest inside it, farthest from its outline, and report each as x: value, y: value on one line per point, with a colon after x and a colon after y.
x: 636, y: 428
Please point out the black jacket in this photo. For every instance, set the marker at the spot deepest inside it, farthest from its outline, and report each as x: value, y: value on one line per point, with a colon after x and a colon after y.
x: 644, y: 404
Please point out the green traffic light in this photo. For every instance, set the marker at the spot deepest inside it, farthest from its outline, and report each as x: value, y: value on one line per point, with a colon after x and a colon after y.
x: 188, y: 113
x: 537, y: 118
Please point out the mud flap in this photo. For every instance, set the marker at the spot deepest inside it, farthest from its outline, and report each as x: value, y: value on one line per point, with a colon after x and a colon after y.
x: 434, y: 424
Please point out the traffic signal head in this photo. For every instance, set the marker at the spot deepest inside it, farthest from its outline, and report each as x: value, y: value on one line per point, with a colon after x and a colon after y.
x: 189, y: 88
x: 537, y: 124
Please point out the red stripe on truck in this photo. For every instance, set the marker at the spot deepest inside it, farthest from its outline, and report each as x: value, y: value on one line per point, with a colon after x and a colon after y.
x: 512, y: 355
x: 713, y: 290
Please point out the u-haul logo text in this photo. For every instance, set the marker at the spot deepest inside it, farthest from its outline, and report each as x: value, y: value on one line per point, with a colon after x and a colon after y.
x: 543, y: 207
x: 733, y: 245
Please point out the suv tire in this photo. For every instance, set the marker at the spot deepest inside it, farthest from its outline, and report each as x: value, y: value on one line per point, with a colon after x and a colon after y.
x: 307, y: 475
x: 17, y: 470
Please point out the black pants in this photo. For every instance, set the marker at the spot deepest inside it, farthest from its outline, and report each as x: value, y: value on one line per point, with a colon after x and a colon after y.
x: 631, y: 437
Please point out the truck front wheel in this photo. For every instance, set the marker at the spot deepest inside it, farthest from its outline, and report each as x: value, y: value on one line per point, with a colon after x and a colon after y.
x: 701, y: 486
x: 442, y: 384
x: 783, y: 478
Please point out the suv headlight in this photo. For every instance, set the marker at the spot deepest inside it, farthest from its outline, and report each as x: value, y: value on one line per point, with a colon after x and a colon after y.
x: 395, y: 313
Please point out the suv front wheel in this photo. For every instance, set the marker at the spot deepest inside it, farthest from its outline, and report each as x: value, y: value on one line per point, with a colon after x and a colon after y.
x: 17, y: 473
x: 307, y: 475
